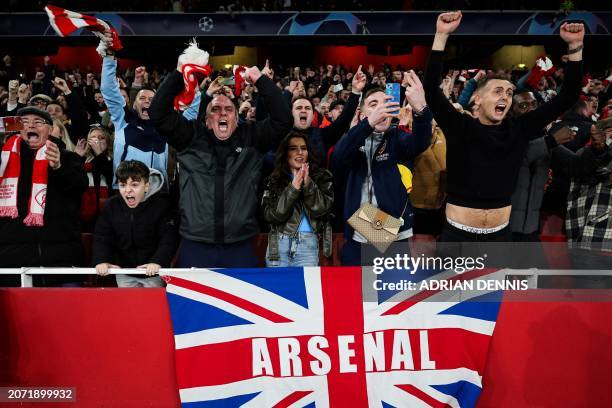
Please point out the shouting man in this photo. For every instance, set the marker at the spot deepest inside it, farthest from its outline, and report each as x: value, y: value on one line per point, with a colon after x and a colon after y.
x: 220, y: 163
x: 484, y: 154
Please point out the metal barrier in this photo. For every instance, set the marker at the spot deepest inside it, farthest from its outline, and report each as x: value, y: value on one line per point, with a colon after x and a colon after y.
x: 533, y: 276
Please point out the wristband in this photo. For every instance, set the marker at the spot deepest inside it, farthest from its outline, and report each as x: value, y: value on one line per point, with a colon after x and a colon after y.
x: 420, y: 112
x: 575, y: 50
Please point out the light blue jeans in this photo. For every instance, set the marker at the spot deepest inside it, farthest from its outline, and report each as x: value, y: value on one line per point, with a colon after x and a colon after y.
x: 301, y: 249
x: 127, y: 281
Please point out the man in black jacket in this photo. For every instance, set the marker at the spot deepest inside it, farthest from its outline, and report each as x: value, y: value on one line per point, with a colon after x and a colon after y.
x: 58, y: 241
x: 220, y: 165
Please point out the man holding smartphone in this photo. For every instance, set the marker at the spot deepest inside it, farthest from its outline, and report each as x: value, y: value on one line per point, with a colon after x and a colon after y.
x: 370, y: 152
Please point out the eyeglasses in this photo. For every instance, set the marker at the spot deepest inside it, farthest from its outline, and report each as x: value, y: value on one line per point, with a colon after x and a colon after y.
x: 36, y: 123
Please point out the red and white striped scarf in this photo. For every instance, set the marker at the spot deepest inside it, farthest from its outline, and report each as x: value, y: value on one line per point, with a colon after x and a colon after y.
x: 10, y: 167
x: 65, y: 22
x: 185, y: 98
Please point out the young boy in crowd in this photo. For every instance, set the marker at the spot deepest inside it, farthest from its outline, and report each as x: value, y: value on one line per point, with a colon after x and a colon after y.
x: 135, y: 228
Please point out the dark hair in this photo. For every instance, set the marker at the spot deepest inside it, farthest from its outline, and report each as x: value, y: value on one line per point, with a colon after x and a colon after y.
x: 144, y: 88
x: 578, y: 106
x: 484, y: 81
x: 367, y: 93
x: 297, y: 98
x: 132, y: 169
x: 281, y: 167
x: 56, y: 102
x: 335, y: 103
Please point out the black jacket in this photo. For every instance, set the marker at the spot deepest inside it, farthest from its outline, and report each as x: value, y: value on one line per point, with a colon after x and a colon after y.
x: 219, y: 179
x: 129, y: 237
x: 58, y: 242
x: 283, y: 206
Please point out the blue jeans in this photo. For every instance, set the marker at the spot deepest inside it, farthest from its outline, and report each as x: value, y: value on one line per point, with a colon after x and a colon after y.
x: 239, y: 254
x: 127, y: 281
x: 301, y: 249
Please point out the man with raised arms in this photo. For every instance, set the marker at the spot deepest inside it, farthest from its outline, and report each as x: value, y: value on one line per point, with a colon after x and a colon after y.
x: 484, y: 154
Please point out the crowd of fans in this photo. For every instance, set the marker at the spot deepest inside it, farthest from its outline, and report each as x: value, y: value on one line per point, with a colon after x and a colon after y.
x: 465, y: 156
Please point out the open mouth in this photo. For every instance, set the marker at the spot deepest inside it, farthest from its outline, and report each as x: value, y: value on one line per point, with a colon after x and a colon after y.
x: 303, y: 118
x: 130, y: 200
x: 500, y: 108
x: 223, y: 126
x: 33, y: 137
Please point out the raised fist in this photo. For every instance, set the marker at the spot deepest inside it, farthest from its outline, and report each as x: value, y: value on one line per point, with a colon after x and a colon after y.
x: 448, y: 22
x: 572, y: 33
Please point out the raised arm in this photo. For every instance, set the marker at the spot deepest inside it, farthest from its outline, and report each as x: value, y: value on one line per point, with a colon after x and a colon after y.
x: 332, y: 133
x: 442, y: 109
x: 349, y: 144
x: 469, y: 89
x: 177, y: 130
x: 573, y: 35
x: 76, y: 109
x: 271, y: 130
x: 420, y: 139
x: 110, y: 91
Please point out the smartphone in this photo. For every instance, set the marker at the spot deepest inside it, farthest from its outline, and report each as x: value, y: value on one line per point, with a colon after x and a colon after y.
x: 393, y: 89
x: 228, y: 81
x: 338, y: 87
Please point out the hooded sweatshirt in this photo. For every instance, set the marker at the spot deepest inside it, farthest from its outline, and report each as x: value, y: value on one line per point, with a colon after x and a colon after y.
x: 129, y: 237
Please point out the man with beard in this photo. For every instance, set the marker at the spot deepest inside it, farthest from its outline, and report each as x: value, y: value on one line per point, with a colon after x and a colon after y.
x: 220, y: 164
x: 485, y: 154
x: 323, y: 139
x: 40, y: 195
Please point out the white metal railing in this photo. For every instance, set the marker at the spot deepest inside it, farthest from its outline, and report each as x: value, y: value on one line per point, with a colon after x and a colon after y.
x: 26, y: 273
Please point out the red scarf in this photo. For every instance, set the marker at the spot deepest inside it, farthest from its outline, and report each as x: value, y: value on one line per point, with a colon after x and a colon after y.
x: 238, y: 79
x: 184, y: 99
x: 66, y: 22
x: 9, y: 179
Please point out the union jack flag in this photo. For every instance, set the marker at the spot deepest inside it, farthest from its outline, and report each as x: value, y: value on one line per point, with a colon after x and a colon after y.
x: 320, y: 337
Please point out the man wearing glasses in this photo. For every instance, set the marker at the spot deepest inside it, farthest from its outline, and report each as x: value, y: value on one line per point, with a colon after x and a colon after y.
x: 40, y: 194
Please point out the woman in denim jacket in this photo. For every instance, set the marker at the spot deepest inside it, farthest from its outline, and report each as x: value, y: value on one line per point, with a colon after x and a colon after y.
x: 297, y: 202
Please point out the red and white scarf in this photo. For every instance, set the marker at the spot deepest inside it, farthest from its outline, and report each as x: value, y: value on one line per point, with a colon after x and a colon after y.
x: 239, y: 79
x: 185, y: 98
x: 192, y: 61
x: 542, y: 68
x: 10, y: 167
x: 65, y: 22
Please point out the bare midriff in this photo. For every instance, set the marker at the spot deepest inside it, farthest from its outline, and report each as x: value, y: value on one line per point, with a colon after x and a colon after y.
x: 477, y: 217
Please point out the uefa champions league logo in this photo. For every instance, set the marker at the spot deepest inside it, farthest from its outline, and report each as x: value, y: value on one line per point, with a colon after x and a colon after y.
x: 206, y: 24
